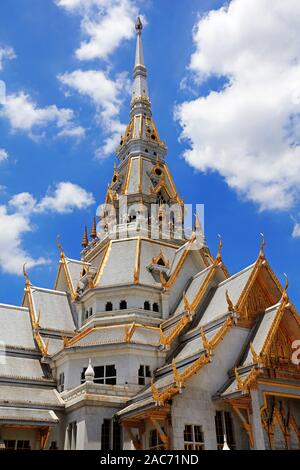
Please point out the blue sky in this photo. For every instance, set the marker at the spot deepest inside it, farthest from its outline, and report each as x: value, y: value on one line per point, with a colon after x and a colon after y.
x: 57, y: 127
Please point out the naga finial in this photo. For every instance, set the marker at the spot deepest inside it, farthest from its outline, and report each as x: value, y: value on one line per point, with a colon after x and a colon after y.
x: 229, y: 302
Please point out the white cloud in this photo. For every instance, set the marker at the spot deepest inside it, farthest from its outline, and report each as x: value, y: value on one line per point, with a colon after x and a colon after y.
x: 249, y: 131
x: 23, y: 203
x: 6, y: 53
x: 105, y: 23
x: 17, y: 215
x: 296, y: 230
x: 107, y: 95
x: 65, y: 198
x: 24, y: 115
x: 3, y: 155
x: 12, y: 253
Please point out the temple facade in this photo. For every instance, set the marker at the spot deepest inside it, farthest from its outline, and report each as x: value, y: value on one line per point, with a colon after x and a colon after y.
x: 146, y: 341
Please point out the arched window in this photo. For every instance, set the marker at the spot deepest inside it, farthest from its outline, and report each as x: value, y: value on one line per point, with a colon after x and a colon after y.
x: 146, y: 305
x: 155, y: 307
x: 91, y: 312
x: 86, y: 314
x: 108, y: 307
x: 123, y: 305
x: 160, y: 199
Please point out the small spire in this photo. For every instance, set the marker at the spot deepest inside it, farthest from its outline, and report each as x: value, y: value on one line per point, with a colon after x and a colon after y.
x: 93, y: 233
x: 89, y: 373
x: 138, y: 25
x: 85, y: 241
x: 140, y: 85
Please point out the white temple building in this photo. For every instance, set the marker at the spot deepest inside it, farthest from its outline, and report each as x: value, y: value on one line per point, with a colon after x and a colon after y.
x: 147, y: 341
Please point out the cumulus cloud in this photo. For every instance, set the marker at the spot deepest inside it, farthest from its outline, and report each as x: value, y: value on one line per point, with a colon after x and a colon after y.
x: 107, y: 96
x: 105, y: 24
x: 296, y: 230
x: 24, y: 115
x: 249, y: 131
x: 17, y: 216
x: 65, y: 198
x: 12, y: 253
x: 6, y: 53
x: 3, y: 155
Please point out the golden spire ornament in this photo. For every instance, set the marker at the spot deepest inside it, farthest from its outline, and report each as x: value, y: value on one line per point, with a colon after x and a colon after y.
x: 93, y: 233
x: 85, y: 241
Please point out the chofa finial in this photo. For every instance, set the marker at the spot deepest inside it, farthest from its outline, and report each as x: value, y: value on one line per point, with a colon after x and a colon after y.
x: 59, y: 245
x: 220, y: 246
x: 26, y: 275
x: 263, y: 244
x: 138, y: 25
x: 284, y: 293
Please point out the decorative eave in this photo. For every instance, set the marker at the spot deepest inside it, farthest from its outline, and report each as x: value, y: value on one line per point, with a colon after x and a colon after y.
x: 161, y: 397
x: 129, y: 330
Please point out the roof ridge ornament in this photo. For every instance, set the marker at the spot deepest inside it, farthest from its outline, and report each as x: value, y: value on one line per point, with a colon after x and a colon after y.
x: 219, y: 257
x: 59, y: 246
x: 27, y: 281
x: 263, y: 244
x: 284, y: 292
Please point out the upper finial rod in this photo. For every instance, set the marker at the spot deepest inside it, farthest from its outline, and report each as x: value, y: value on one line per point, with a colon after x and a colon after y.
x: 138, y: 25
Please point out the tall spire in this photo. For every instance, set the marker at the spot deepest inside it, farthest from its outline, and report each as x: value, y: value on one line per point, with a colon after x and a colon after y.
x: 140, y: 94
x: 141, y: 136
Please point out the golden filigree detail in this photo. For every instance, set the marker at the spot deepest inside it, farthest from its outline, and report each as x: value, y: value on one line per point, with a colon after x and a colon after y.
x: 206, y: 344
x: 41, y: 345
x: 256, y: 359
x: 162, y: 397
x: 229, y: 302
x: 129, y: 332
x: 246, y: 384
x: 36, y: 324
x: 167, y: 340
x: 161, y: 259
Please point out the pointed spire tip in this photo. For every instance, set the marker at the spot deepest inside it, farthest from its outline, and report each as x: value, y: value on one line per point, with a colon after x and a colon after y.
x: 138, y: 25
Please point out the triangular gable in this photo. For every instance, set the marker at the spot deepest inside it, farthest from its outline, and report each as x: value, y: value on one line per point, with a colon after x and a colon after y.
x: 69, y: 273
x: 261, y: 291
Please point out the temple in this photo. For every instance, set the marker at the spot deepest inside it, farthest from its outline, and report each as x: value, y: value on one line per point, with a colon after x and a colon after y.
x: 147, y: 341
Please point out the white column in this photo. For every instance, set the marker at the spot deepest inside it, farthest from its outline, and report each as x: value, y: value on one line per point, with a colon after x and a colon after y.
x: 257, y: 429
x: 165, y: 305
